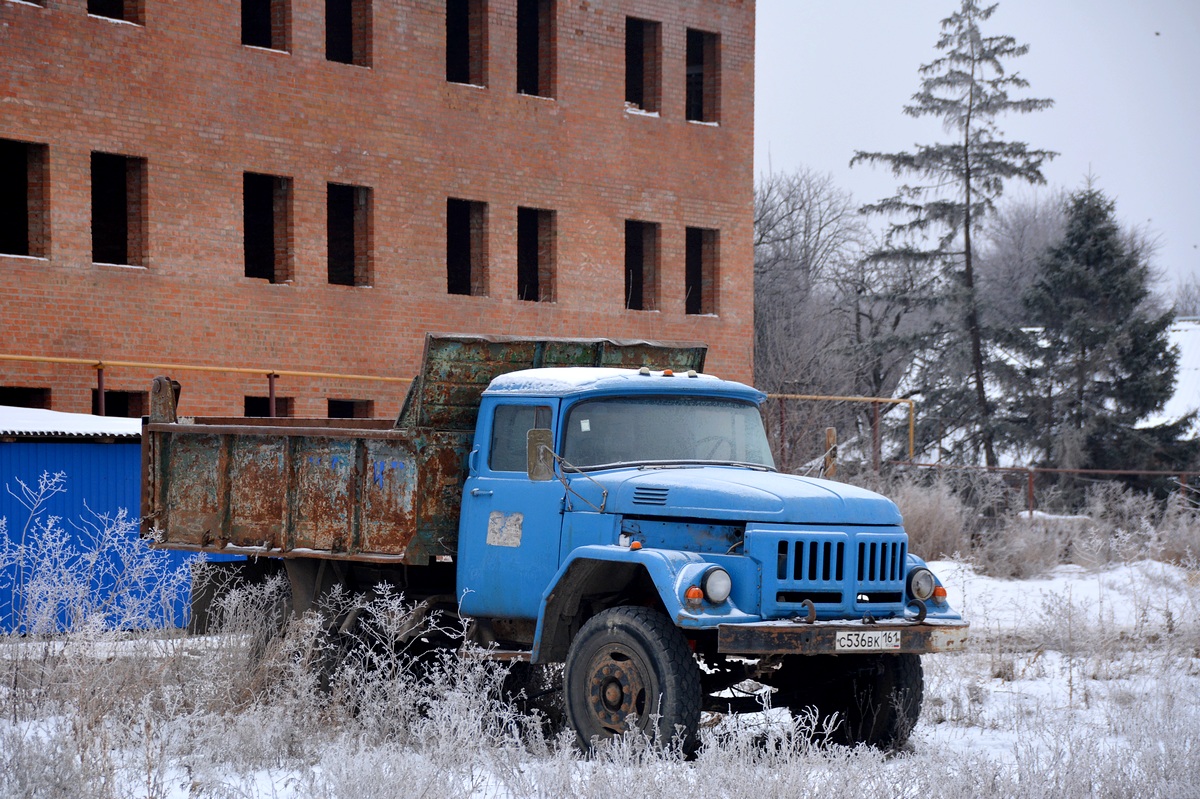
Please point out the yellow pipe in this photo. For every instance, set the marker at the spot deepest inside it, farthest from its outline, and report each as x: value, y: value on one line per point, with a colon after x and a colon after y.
x: 101, y: 364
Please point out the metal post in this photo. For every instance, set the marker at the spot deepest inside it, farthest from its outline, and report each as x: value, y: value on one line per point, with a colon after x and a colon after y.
x: 1029, y: 491
x: 99, y: 390
x: 876, y: 448
x: 271, y: 394
x: 830, y: 452
x: 782, y: 435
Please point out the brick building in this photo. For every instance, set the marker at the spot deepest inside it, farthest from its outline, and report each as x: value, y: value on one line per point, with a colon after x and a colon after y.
x: 311, y: 185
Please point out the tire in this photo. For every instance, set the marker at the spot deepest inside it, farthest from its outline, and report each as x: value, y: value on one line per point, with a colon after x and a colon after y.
x: 630, y: 668
x: 877, y: 697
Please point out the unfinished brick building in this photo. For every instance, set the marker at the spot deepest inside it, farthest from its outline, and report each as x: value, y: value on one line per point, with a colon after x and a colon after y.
x: 312, y: 185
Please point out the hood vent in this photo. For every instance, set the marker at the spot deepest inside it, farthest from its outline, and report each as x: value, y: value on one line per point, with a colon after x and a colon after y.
x: 646, y: 495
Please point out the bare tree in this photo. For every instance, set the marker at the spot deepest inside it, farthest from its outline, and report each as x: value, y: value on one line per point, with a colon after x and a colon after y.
x: 1187, y: 297
x: 806, y: 230
x: 807, y: 234
x: 1015, y: 239
x: 829, y: 320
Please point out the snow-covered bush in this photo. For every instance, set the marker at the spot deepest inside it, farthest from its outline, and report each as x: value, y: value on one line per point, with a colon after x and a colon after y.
x: 972, y: 515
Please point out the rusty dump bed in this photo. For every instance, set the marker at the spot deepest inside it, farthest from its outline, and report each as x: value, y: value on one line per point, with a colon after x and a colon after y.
x: 354, y: 489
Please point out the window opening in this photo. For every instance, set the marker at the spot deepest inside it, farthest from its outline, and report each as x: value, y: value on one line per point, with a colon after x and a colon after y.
x: 466, y: 247
x: 535, y: 255
x: 129, y: 404
x: 348, y: 32
x: 265, y: 23
x: 349, y: 231
x: 21, y: 397
x: 350, y: 409
x: 23, y: 199
x: 703, y: 89
x: 701, y: 271
x: 643, y: 73
x: 261, y: 406
x: 118, y: 209
x: 510, y: 430
x: 641, y: 265
x: 535, y: 47
x: 127, y: 10
x: 266, y: 217
x: 466, y: 41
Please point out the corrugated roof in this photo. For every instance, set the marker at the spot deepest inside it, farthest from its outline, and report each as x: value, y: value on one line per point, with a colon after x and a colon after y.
x: 35, y: 422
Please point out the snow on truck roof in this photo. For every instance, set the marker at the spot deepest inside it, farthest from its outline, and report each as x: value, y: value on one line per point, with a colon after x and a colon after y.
x: 561, y: 381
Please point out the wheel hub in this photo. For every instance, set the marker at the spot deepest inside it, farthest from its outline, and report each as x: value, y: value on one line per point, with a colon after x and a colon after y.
x: 616, y: 690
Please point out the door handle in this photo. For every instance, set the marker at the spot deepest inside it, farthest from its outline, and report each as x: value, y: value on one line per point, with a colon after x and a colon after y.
x: 480, y: 492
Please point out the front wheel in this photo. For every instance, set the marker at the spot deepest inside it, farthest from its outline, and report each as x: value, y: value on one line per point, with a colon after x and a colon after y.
x: 631, y: 668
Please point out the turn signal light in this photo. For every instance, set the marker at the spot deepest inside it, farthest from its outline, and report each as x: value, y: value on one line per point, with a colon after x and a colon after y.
x: 694, y: 593
x: 635, y: 545
x: 939, y: 594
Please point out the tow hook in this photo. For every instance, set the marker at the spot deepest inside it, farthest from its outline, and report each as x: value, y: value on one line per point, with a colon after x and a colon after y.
x: 811, y: 613
x: 920, y: 610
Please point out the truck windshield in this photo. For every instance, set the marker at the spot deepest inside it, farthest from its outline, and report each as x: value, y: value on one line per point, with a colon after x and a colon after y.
x: 650, y: 430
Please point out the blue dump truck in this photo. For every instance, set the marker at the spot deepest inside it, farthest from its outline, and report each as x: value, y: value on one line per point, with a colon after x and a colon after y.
x: 599, y: 504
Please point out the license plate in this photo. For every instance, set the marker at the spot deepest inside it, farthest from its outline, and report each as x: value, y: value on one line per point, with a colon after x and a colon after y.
x: 867, y: 640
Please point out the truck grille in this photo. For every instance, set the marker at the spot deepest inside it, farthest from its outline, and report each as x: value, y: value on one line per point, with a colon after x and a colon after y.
x: 839, y: 572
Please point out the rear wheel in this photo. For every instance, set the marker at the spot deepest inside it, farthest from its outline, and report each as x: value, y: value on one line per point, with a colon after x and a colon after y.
x: 630, y: 668
x: 877, y: 698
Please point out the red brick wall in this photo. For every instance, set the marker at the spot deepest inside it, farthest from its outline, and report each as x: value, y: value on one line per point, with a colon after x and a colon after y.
x: 181, y: 92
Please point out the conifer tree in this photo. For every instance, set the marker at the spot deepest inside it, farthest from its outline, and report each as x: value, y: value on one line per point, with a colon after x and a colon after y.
x: 1099, y: 360
x: 957, y: 182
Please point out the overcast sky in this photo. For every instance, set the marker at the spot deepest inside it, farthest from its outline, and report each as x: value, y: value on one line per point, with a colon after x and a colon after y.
x: 833, y: 75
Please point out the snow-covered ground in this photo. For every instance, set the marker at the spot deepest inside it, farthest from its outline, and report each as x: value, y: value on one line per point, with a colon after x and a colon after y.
x: 1079, y: 683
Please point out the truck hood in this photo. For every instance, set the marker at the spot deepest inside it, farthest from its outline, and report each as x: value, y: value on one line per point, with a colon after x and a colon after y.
x: 738, y: 494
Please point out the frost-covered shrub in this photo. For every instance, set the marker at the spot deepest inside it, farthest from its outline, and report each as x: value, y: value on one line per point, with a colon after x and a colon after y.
x: 936, y: 519
x: 1025, y: 545
x: 1179, y: 530
x: 100, y: 575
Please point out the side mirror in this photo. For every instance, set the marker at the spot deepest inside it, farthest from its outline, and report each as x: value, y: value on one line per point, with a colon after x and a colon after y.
x: 539, y: 455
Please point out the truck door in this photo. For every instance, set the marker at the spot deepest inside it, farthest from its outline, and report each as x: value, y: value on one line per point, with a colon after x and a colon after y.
x: 510, y: 526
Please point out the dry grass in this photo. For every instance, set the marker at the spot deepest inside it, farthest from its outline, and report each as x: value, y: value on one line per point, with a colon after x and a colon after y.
x: 1068, y: 707
x: 965, y: 516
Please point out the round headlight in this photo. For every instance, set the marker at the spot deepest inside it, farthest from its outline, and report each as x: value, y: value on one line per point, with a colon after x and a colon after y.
x: 717, y: 585
x: 921, y: 584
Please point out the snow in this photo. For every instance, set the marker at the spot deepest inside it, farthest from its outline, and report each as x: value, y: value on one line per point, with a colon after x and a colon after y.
x: 559, y: 380
x: 1082, y: 682
x: 630, y: 108
x: 1184, y: 334
x: 1118, y: 598
x: 39, y: 422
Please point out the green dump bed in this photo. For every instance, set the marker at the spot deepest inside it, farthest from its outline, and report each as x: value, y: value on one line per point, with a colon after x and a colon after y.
x: 355, y: 489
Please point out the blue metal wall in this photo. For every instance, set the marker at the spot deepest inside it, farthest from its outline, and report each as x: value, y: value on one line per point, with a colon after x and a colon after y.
x: 100, y: 476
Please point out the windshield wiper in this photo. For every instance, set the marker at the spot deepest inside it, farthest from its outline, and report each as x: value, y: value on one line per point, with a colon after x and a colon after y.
x: 700, y: 464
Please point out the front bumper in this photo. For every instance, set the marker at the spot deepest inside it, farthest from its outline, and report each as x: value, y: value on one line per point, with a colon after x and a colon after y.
x: 789, y: 637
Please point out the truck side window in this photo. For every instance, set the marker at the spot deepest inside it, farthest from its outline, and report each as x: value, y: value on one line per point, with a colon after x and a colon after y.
x: 510, y: 426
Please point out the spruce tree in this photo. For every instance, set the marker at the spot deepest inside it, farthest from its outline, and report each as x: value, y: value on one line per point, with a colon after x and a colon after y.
x: 968, y: 87
x: 1099, y: 359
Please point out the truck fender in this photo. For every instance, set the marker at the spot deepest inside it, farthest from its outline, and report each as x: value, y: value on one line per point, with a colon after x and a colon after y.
x: 599, y: 569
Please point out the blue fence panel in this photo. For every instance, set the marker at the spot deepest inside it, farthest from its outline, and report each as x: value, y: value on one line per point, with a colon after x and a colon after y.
x: 101, y: 478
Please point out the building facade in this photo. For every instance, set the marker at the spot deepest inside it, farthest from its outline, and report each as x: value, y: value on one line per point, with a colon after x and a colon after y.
x: 312, y: 185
